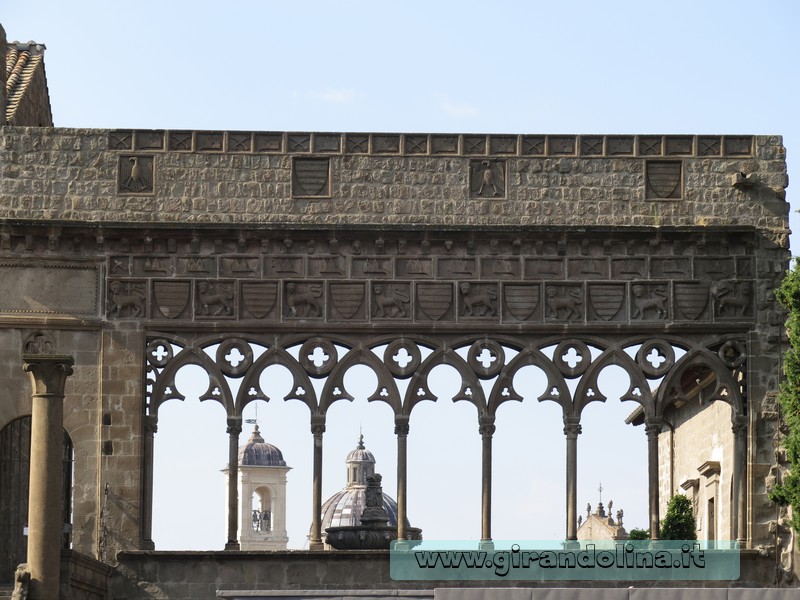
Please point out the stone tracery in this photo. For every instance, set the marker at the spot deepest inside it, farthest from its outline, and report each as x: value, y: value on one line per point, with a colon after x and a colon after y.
x: 621, y: 247
x: 657, y: 380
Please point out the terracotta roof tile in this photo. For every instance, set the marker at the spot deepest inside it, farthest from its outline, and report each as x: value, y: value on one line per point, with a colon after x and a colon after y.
x: 22, y: 61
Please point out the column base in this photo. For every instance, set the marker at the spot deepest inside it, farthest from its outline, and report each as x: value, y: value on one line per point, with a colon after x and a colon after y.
x: 487, y: 545
x: 232, y: 546
x: 316, y: 546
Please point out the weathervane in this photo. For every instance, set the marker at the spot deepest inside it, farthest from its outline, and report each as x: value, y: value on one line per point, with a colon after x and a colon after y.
x: 253, y: 421
x: 600, y: 490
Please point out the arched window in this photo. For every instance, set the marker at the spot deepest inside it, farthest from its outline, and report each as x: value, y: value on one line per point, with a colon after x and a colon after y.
x: 262, y: 505
x: 15, y: 459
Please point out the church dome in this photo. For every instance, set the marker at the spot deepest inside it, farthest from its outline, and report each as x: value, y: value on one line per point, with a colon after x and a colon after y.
x: 257, y: 453
x: 361, y: 454
x: 344, y: 508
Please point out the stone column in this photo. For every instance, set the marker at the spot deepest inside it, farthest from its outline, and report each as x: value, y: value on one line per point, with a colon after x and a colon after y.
x: 234, y: 429
x: 738, y: 487
x: 401, y: 430
x: 48, y: 376
x: 486, y: 429
x: 150, y: 429
x: 652, y: 428
x: 317, y: 429
x: 572, y: 429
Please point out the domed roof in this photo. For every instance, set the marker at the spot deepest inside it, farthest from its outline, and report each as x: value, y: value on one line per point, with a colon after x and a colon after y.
x: 361, y: 454
x: 257, y: 453
x: 344, y: 508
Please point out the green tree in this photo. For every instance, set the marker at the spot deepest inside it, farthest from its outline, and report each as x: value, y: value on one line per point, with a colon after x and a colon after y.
x: 679, y: 523
x: 788, y: 491
x: 639, y: 534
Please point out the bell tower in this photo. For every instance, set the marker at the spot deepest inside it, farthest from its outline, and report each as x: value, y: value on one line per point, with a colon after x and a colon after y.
x: 262, y: 495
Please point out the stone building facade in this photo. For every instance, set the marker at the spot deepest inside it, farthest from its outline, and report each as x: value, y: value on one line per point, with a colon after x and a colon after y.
x: 137, y: 252
x: 696, y: 456
x: 599, y: 525
x: 700, y: 445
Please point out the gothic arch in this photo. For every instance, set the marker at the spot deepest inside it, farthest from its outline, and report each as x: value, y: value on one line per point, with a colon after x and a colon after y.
x: 588, y: 391
x: 165, y: 389
x: 556, y: 388
x: 646, y: 359
x: 300, y: 380
x: 470, y: 389
x: 385, y: 391
x: 726, y: 388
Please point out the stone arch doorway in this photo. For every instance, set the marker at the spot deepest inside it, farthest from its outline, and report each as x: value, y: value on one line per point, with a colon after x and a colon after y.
x: 15, y: 454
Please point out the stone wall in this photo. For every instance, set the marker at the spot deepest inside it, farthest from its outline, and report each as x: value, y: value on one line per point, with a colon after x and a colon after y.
x: 198, y: 575
x: 83, y: 578
x: 81, y: 414
x: 317, y: 179
x: 108, y: 237
x: 702, y: 435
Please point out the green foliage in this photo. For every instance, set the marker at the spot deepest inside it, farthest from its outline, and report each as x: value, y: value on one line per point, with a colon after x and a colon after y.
x: 679, y: 523
x: 788, y: 492
x: 639, y: 534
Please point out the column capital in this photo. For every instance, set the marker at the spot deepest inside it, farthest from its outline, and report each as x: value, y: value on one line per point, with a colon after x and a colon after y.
x: 151, y: 423
x: 317, y: 425
x: 48, y: 376
x: 652, y: 427
x: 486, y: 426
x: 739, y: 426
x: 401, y: 426
x: 235, y: 425
x: 48, y: 373
x: 572, y: 427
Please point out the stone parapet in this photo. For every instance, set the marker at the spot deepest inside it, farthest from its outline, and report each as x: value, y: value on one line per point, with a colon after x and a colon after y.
x: 83, y: 578
x: 392, y: 180
x: 200, y: 575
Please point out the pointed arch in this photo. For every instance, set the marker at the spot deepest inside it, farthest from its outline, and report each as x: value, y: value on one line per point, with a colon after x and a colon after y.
x: 726, y: 388
x: 164, y: 386
x: 361, y: 356
x: 557, y: 390
x: 419, y: 390
x: 300, y: 380
x: 613, y: 356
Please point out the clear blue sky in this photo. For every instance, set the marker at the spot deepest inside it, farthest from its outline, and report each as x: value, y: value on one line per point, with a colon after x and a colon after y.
x: 721, y: 66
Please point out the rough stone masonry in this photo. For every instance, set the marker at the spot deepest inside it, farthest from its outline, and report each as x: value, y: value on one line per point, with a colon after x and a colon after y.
x: 113, y: 241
